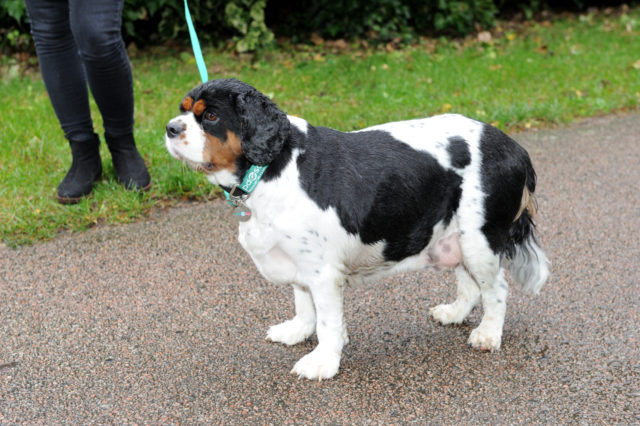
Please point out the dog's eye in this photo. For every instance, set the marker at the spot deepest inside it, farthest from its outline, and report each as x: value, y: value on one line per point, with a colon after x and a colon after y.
x: 210, y: 116
x: 208, y: 166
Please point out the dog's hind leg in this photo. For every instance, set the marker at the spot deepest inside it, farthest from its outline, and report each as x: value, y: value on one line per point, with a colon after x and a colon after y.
x: 488, y: 335
x: 301, y: 326
x: 468, y: 295
x: 483, y: 265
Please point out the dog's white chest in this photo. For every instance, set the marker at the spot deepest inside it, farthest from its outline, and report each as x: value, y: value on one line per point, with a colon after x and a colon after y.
x: 255, y: 238
x: 262, y: 244
x: 285, y: 255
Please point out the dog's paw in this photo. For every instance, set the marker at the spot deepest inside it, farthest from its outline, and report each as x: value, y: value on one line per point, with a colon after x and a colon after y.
x: 317, y: 365
x: 485, y: 339
x: 447, y: 314
x: 290, y: 332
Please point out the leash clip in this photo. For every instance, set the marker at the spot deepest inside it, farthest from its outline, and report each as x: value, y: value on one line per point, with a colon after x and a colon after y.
x: 236, y: 200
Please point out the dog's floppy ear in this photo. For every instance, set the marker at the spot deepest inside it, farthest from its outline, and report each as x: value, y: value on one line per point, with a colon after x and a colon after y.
x: 265, y: 128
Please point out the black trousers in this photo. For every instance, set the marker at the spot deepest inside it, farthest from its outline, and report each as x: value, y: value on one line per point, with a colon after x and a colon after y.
x: 79, y: 42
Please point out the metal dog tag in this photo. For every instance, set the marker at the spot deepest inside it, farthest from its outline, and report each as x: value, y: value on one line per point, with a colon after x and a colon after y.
x: 242, y: 213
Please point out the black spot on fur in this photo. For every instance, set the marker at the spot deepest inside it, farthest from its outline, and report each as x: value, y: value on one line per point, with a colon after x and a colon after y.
x: 382, y: 189
x: 458, y: 150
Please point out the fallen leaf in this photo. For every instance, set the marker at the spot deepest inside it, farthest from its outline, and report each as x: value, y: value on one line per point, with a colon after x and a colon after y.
x: 316, y: 39
x: 338, y: 44
x: 636, y: 64
x: 543, y: 49
x: 484, y: 36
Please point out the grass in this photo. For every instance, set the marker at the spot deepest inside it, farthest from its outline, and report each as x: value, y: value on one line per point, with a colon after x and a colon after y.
x: 532, y: 76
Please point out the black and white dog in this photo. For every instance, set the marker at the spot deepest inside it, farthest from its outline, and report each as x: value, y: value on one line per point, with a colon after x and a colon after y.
x: 338, y: 208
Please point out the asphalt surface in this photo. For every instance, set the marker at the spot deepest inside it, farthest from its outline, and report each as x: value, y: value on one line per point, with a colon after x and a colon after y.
x: 164, y: 321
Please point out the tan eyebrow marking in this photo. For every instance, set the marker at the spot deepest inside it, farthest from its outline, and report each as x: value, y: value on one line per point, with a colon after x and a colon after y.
x: 199, y: 107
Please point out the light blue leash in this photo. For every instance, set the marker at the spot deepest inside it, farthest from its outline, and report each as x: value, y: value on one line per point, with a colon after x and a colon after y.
x: 253, y: 175
x: 196, y: 45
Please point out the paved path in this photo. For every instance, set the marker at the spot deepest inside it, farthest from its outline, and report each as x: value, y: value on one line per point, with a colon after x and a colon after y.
x: 163, y: 321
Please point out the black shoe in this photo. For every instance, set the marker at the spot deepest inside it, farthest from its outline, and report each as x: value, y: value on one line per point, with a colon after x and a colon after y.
x: 86, y: 168
x: 129, y: 165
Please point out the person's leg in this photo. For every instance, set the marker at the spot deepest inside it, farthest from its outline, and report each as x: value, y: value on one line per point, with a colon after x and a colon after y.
x: 65, y: 80
x: 96, y: 26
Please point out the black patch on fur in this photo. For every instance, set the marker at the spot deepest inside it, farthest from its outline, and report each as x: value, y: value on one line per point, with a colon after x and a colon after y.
x: 296, y: 137
x: 506, y: 168
x: 382, y: 189
x: 265, y: 128
x: 458, y: 150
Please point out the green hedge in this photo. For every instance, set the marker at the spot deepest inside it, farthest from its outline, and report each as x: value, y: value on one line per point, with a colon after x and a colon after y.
x: 381, y: 20
x: 252, y: 23
x: 385, y: 20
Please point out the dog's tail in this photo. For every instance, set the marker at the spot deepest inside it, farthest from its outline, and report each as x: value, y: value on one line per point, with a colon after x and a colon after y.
x: 523, y: 257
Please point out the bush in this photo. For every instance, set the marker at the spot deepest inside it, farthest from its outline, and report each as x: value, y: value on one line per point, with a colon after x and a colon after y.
x: 247, y: 17
x: 380, y: 19
x: 14, y: 30
x: 153, y: 22
x: 453, y: 17
x: 250, y: 22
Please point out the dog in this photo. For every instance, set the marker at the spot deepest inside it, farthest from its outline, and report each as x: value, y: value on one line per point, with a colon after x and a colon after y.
x: 333, y: 209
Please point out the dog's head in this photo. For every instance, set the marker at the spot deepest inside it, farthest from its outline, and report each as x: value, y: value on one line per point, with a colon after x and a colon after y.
x: 223, y: 123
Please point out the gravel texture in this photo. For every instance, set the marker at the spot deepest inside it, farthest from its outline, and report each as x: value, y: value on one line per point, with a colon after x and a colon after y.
x: 164, y: 321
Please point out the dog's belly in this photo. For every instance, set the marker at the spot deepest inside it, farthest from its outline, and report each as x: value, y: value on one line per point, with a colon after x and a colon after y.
x: 441, y: 254
x: 299, y: 257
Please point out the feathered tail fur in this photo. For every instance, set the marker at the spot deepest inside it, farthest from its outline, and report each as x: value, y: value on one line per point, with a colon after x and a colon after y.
x: 523, y: 257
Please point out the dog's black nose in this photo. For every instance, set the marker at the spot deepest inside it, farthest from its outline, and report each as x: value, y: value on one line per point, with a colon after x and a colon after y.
x: 174, y: 129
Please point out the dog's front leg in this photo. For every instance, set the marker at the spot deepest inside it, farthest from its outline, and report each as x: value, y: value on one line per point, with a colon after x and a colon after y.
x: 324, y: 361
x: 302, y: 325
